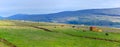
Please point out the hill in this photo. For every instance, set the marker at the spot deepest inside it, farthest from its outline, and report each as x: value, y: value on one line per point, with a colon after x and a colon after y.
x: 98, y: 17
x: 34, y: 34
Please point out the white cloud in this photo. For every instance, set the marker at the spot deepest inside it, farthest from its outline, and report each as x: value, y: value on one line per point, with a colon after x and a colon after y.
x: 8, y: 7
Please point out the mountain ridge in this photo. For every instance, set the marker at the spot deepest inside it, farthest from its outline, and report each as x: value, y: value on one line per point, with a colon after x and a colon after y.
x: 102, y: 17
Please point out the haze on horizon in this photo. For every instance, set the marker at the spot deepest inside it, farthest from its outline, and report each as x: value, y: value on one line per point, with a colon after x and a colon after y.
x: 12, y: 7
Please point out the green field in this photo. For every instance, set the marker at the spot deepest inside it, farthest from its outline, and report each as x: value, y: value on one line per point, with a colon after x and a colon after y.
x: 3, y: 45
x: 22, y: 34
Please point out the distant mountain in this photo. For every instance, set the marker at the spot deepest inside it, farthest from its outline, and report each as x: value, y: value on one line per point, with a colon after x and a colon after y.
x: 101, y: 17
x: 1, y: 18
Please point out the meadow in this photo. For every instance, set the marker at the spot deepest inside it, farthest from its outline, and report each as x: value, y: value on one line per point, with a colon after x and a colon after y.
x: 22, y: 34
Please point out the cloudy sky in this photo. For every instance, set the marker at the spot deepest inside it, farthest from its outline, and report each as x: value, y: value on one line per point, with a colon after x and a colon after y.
x: 11, y: 7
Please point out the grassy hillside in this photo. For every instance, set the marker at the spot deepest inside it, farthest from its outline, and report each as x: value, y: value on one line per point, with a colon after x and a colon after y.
x: 6, y: 23
x: 22, y: 34
x: 3, y: 45
x: 79, y: 32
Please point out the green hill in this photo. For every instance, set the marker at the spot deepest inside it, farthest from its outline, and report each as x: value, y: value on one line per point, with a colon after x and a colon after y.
x: 32, y: 34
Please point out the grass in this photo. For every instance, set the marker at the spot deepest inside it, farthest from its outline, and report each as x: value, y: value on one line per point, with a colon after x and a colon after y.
x: 3, y: 45
x: 79, y: 32
x: 6, y: 23
x: 30, y: 37
x: 23, y: 36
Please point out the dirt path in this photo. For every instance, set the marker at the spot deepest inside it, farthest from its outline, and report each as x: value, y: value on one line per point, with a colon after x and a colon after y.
x: 42, y: 28
x: 96, y: 38
x: 6, y: 42
x: 110, y: 40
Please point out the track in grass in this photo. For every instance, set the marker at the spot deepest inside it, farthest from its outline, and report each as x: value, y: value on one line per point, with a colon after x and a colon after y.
x: 95, y: 38
x: 78, y: 36
x: 42, y: 28
x: 6, y: 42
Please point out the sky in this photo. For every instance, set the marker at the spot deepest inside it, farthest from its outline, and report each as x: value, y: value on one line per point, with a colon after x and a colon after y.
x: 12, y: 7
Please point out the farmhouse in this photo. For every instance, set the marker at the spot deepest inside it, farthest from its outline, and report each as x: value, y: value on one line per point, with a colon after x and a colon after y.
x: 95, y: 29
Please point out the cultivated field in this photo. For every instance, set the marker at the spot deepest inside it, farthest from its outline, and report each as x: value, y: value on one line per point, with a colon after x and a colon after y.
x: 31, y: 34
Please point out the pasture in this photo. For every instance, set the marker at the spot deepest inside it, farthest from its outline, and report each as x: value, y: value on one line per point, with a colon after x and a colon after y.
x: 22, y: 34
